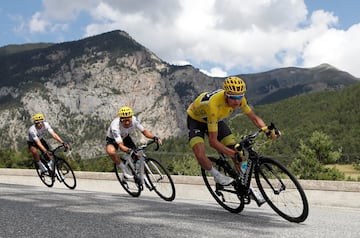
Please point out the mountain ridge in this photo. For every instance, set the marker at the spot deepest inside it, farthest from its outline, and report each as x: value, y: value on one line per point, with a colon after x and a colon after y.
x: 80, y: 85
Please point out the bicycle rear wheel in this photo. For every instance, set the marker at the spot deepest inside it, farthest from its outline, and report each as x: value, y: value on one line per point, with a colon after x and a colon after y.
x: 281, y: 190
x: 159, y: 179
x: 65, y: 173
x: 131, y: 186
x: 47, y: 177
x: 226, y: 196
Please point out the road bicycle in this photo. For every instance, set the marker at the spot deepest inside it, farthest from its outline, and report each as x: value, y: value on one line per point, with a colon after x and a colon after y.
x: 146, y: 172
x: 57, y: 168
x: 280, y: 189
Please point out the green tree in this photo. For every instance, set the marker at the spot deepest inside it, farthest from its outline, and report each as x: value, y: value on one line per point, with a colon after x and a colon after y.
x: 311, y: 158
x: 322, y: 145
x: 188, y: 165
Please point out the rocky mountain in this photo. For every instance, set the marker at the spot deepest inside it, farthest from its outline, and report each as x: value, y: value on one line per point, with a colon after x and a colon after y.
x: 80, y: 86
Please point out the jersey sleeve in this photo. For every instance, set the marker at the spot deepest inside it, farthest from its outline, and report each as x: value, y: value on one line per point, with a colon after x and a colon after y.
x: 33, y: 135
x: 245, y: 108
x: 114, y: 131
x: 48, y: 127
x: 138, y: 125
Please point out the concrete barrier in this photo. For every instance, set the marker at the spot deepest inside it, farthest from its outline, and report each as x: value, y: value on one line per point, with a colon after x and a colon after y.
x: 324, y: 185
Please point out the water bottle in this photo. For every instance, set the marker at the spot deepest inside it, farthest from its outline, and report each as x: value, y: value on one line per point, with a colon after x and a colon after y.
x: 137, y: 166
x: 243, y: 167
x: 51, y: 164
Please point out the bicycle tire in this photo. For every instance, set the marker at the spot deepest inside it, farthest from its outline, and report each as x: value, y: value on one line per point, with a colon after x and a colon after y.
x: 225, y: 196
x: 131, y: 186
x: 67, y: 175
x: 47, y: 177
x: 160, y: 179
x: 281, y: 190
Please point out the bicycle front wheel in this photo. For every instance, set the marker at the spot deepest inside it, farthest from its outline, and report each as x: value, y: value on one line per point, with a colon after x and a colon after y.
x: 45, y: 177
x: 226, y: 196
x: 65, y: 174
x: 281, y: 190
x: 131, y: 186
x: 159, y: 179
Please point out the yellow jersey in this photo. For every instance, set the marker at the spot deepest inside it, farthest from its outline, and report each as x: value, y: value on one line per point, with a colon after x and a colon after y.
x: 211, y: 107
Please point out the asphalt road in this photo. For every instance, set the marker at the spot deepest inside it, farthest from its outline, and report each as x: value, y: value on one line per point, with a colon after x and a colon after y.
x: 100, y: 208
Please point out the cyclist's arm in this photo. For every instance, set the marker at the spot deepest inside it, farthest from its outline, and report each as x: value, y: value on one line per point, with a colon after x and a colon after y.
x: 40, y: 145
x: 258, y: 122
x: 123, y: 147
x: 56, y: 137
x: 53, y: 133
x: 150, y: 135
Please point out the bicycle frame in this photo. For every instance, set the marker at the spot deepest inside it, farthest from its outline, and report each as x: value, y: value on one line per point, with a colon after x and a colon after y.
x: 278, y: 187
x: 150, y: 172
x: 141, y: 156
x: 252, y: 160
x: 59, y: 169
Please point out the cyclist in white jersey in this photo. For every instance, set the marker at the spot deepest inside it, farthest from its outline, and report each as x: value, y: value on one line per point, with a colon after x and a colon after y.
x: 36, y: 141
x: 118, y: 136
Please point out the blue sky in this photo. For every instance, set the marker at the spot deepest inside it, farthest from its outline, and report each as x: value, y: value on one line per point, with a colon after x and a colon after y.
x: 220, y: 37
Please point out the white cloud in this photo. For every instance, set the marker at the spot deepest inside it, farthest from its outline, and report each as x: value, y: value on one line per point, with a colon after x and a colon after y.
x: 215, y: 72
x: 230, y: 35
x: 336, y: 47
x: 38, y: 23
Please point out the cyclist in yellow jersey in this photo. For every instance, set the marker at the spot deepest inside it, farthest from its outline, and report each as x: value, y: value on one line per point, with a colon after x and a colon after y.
x: 205, y: 116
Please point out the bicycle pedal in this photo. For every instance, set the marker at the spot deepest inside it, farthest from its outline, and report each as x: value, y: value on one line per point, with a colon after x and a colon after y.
x: 219, y: 187
x: 247, y: 200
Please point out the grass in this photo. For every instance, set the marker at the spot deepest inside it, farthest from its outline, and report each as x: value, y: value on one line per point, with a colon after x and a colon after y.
x: 348, y: 169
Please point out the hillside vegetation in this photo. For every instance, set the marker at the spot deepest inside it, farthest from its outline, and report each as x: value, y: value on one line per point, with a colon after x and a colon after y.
x: 334, y: 113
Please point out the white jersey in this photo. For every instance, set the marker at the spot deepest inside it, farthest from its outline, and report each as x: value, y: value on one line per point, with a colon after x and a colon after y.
x: 117, y: 132
x: 35, y: 134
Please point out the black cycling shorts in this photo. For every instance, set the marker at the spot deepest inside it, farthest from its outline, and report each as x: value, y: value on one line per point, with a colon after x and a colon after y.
x: 128, y: 142
x: 200, y: 129
x: 43, y: 142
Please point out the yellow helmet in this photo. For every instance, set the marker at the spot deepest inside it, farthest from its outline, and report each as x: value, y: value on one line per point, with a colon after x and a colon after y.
x: 125, y: 112
x: 234, y: 85
x: 38, y: 117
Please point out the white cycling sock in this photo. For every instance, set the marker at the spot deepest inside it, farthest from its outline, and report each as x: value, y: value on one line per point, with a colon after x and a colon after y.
x: 213, y: 171
x: 122, y: 165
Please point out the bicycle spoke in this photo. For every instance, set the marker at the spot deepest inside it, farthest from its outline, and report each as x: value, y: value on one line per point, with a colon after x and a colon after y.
x: 131, y: 186
x: 159, y: 179
x: 65, y: 174
x: 46, y: 177
x: 226, y: 196
x: 282, y: 191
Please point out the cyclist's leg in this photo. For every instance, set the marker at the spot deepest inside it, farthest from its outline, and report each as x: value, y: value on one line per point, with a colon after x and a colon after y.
x: 47, y: 147
x: 33, y: 149
x: 128, y: 142
x: 226, y: 138
x: 197, y: 131
x: 111, y: 150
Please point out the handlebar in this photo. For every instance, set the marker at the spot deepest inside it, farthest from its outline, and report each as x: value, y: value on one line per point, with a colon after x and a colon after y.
x: 248, y: 140
x: 144, y: 146
x: 66, y: 148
